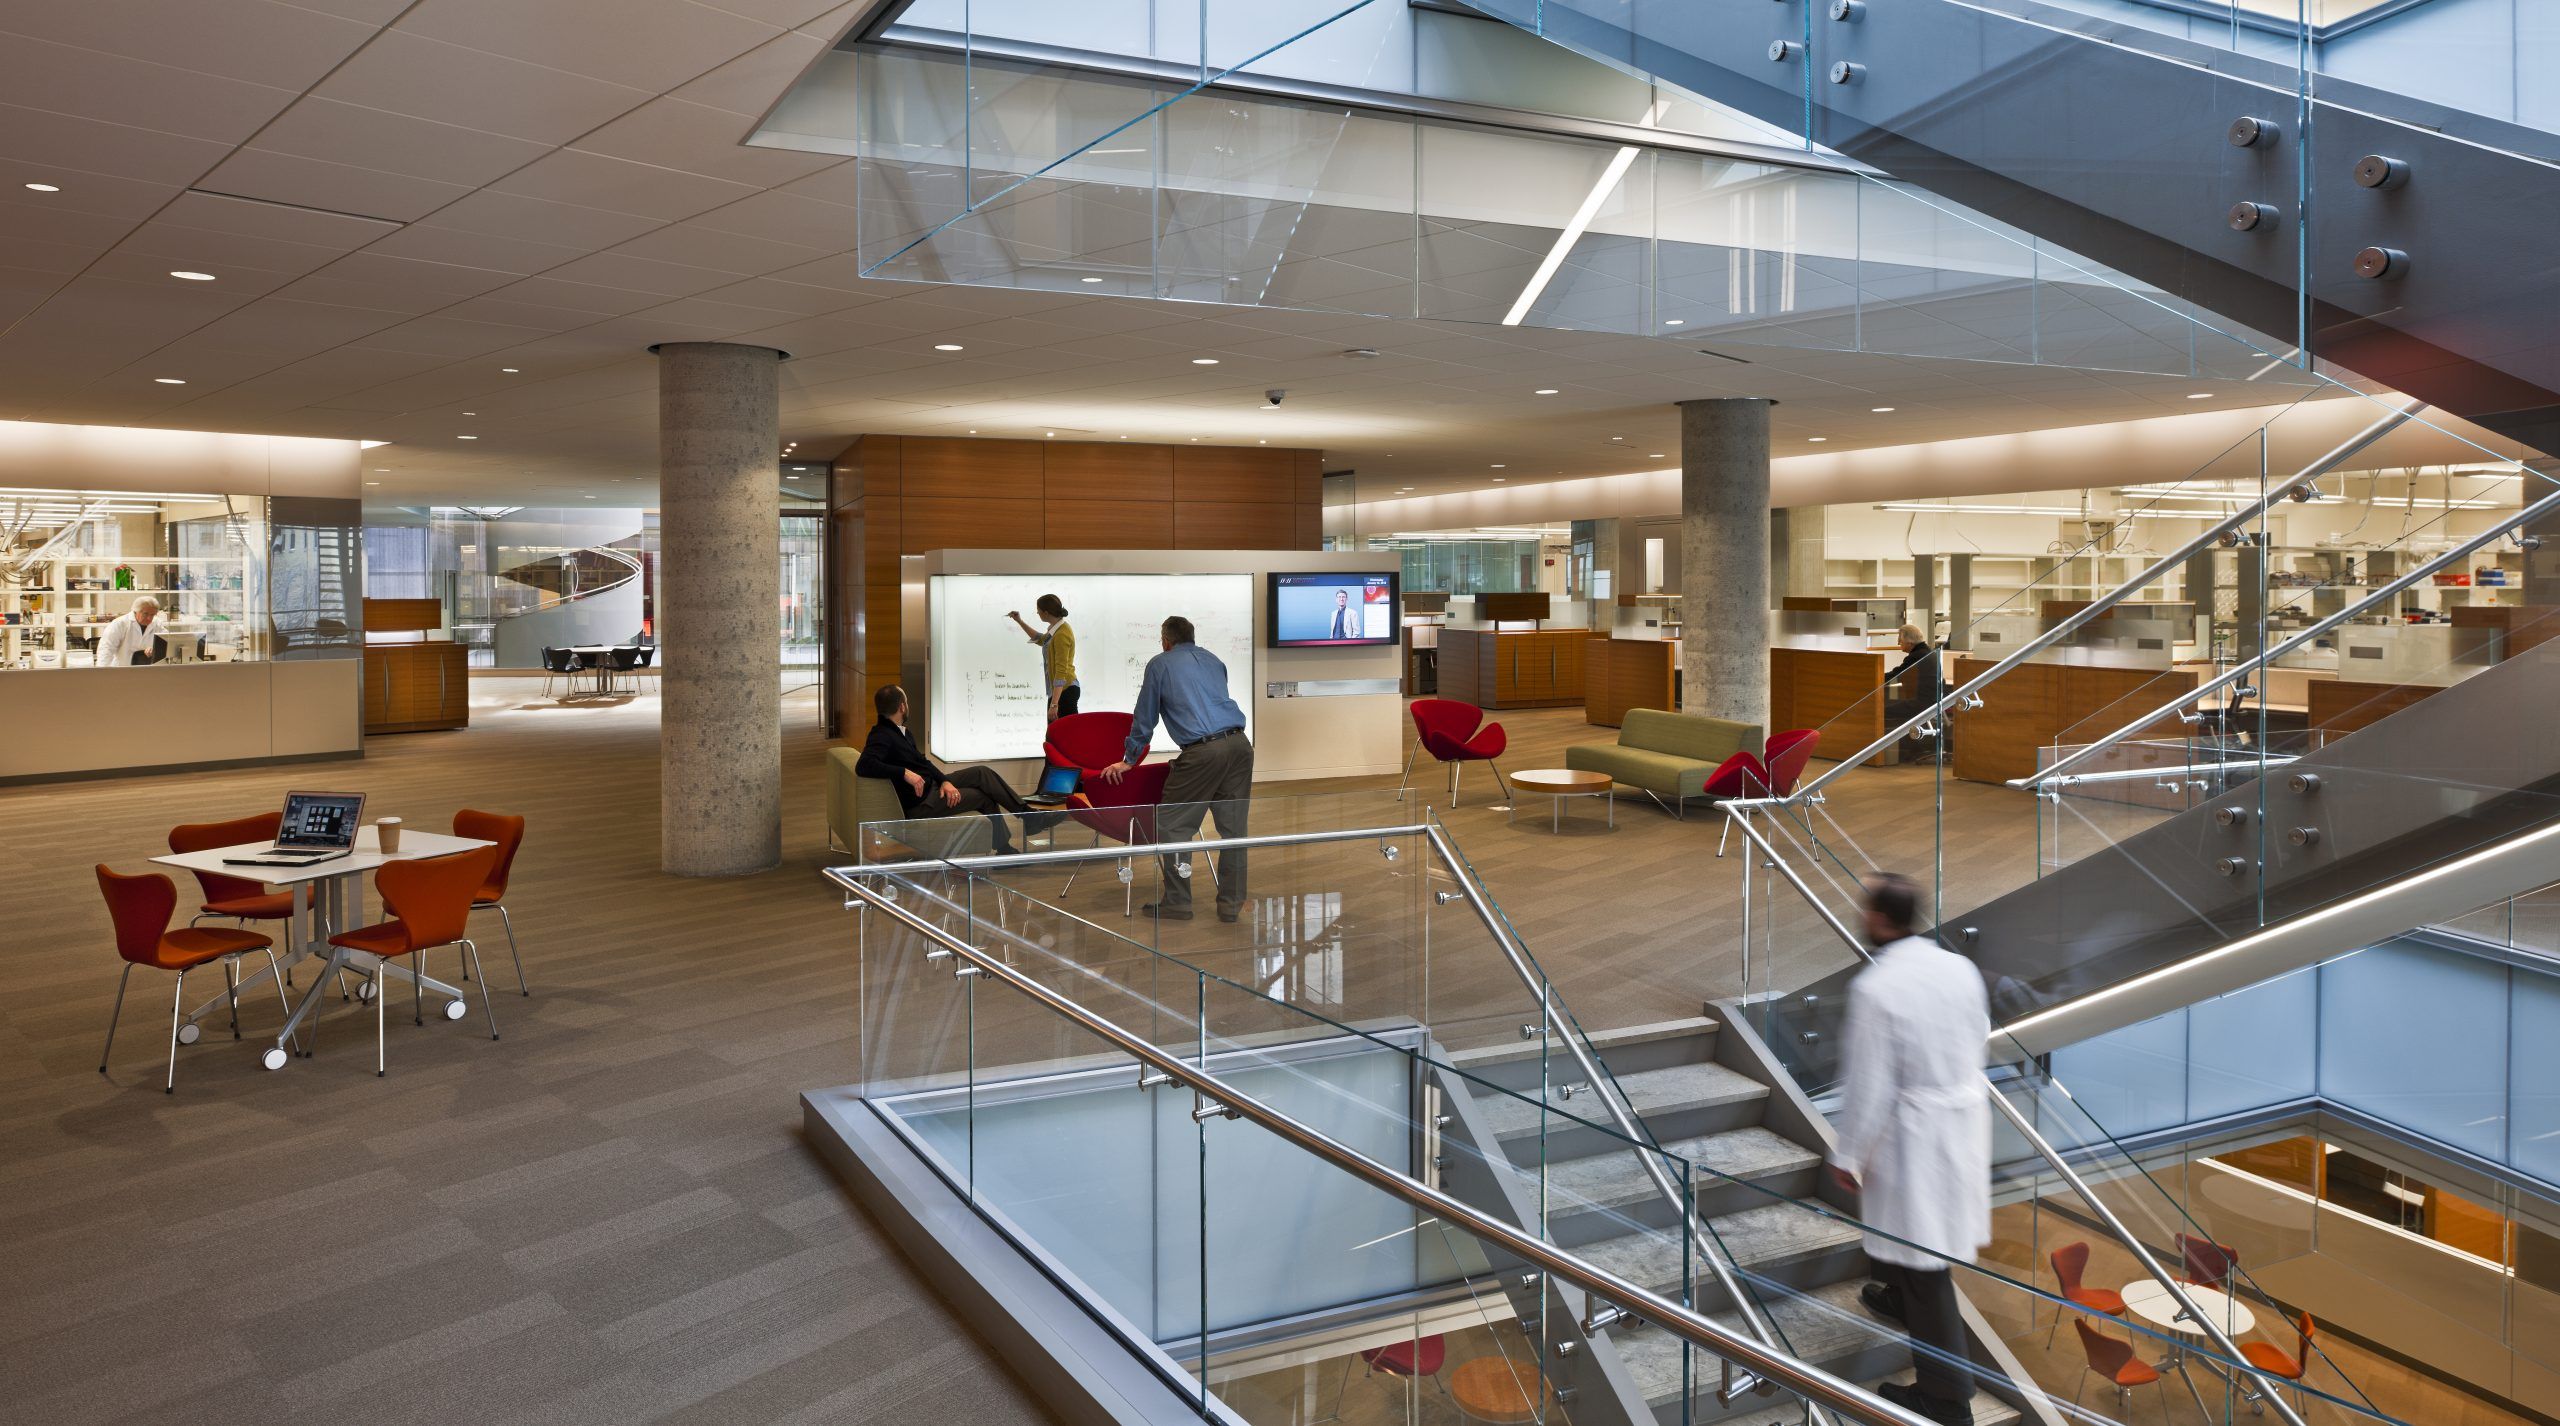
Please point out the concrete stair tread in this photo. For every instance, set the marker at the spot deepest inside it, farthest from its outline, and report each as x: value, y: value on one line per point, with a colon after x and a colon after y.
x: 1484, y: 1057
x: 1617, y: 1177
x: 1648, y: 1092
x: 1763, y: 1237
x: 1783, y: 1410
x: 1814, y: 1326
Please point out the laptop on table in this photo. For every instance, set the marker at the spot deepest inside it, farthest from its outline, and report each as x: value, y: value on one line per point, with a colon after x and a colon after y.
x: 316, y: 827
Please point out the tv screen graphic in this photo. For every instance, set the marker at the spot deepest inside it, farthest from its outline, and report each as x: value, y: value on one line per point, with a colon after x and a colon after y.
x: 1316, y: 611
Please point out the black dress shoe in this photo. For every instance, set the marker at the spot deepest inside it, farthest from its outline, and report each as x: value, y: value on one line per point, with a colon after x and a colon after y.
x: 1227, y: 916
x: 1165, y: 913
x: 1881, y: 1300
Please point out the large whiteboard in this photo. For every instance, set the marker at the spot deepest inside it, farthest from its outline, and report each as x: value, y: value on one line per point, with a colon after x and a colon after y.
x: 985, y: 678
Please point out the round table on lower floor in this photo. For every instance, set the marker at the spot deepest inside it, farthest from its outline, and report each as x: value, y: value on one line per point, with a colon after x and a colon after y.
x: 1557, y: 784
x: 1498, y: 1391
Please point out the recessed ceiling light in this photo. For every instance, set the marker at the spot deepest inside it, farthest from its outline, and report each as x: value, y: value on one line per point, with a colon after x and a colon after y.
x: 1262, y: 443
x: 591, y: 497
x: 1090, y: 279
x: 1544, y: 391
x: 1675, y: 321
x: 1048, y: 433
x: 194, y: 276
x: 1655, y: 455
x: 1500, y: 478
x: 1881, y: 410
x: 373, y: 482
x: 382, y: 470
x: 466, y: 438
x: 973, y: 430
x: 44, y: 187
x: 510, y: 370
x: 947, y: 346
x: 1501, y: 467
x: 1617, y: 438
x: 1204, y: 361
x: 470, y: 413
x: 170, y: 380
x: 1817, y: 440
x: 2199, y: 396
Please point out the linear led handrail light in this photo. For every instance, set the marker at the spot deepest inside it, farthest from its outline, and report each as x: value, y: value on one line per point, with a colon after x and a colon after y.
x: 2265, y: 934
x: 1580, y: 223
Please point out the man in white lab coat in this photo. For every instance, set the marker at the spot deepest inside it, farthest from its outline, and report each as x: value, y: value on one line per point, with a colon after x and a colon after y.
x: 1915, y: 1137
x: 128, y: 634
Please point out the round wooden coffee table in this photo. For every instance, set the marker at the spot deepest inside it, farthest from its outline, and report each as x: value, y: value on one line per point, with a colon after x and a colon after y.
x: 1495, y: 1390
x: 1558, y: 784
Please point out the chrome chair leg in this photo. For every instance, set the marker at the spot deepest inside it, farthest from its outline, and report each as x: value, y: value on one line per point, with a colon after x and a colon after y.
x: 1721, y: 837
x: 177, y: 1012
x: 277, y: 972
x: 1409, y: 755
x: 418, y: 988
x: 379, y: 1067
x: 114, y: 1015
x: 231, y: 982
x: 510, y: 923
x: 471, y: 953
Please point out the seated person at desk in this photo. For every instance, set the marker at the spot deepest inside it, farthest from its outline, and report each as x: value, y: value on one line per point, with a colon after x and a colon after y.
x: 927, y: 791
x: 1922, y: 683
x: 127, y: 640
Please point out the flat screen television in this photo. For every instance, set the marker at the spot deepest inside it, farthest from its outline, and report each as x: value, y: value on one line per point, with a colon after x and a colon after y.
x: 1332, y: 610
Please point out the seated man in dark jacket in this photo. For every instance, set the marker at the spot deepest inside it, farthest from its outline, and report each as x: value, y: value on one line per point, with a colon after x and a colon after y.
x: 927, y: 791
x: 1922, y: 680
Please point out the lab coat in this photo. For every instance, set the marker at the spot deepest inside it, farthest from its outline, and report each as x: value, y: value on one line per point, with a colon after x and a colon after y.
x: 123, y: 639
x: 1915, y: 1123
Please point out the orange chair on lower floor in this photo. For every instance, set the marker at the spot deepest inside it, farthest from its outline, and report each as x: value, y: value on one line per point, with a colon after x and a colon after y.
x: 508, y: 833
x: 2273, y: 1360
x: 2114, y: 1362
x: 2070, y: 1261
x: 142, y: 907
x: 430, y: 905
x: 235, y: 897
x: 2207, y: 1263
x: 1409, y: 1358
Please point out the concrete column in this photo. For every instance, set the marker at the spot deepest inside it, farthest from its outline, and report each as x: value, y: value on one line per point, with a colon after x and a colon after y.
x: 1724, y: 558
x: 1959, y: 603
x: 719, y: 590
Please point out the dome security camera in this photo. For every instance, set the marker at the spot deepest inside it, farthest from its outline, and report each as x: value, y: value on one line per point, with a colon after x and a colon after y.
x: 1275, y: 395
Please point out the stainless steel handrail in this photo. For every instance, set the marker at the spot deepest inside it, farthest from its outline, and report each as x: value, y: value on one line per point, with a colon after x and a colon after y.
x: 2463, y: 551
x: 1621, y: 1114
x: 2273, y: 1392
x: 2104, y: 602
x: 1770, y: 1364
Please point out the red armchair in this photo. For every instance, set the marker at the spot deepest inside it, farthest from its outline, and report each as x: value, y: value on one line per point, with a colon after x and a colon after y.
x: 1123, y: 811
x: 1772, y: 774
x: 1456, y: 733
x: 1091, y: 741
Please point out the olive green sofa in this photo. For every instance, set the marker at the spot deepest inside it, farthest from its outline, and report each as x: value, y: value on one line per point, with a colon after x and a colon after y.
x: 1669, y: 755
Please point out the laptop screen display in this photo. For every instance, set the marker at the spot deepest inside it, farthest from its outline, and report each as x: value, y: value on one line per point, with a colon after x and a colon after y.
x: 321, y: 819
x: 1060, y: 781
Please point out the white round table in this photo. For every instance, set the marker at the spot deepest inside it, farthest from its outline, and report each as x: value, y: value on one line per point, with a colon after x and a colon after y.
x: 2150, y: 1301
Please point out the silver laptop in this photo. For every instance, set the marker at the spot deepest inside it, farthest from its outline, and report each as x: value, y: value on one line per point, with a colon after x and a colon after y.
x: 316, y: 827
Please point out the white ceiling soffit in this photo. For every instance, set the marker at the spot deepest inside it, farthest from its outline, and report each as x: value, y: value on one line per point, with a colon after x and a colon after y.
x: 400, y: 202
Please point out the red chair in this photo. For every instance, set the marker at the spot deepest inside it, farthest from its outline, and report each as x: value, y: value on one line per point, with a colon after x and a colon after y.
x: 2115, y: 1362
x: 1455, y: 733
x: 1785, y: 755
x: 1091, y: 741
x: 430, y: 905
x: 141, y: 907
x: 2208, y: 1263
x: 2069, y: 1262
x: 1123, y: 811
x: 508, y: 833
x: 2273, y: 1361
x: 1411, y: 1358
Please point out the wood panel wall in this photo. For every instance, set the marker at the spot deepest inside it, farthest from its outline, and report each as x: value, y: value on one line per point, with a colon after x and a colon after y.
x: 908, y: 495
x: 2340, y: 706
x: 2036, y: 706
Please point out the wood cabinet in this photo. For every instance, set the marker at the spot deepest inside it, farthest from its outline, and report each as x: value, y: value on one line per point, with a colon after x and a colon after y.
x: 2340, y: 706
x: 2037, y: 706
x: 1833, y: 691
x: 1619, y: 674
x: 412, y: 688
x: 1530, y: 668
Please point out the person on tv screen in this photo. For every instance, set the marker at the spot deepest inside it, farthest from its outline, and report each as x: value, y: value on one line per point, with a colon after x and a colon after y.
x: 1346, y: 623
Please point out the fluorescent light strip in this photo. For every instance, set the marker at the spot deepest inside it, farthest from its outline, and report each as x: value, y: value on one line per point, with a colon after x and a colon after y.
x: 2258, y: 938
x: 1619, y: 163
x: 55, y: 492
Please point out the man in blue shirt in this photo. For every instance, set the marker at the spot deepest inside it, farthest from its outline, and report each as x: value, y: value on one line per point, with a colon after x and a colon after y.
x: 1186, y: 687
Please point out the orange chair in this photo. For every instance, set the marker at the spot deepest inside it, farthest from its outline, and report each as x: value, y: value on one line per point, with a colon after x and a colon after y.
x: 2115, y: 1362
x: 2069, y: 1262
x: 508, y: 833
x: 236, y: 897
x: 430, y: 905
x: 141, y: 907
x: 2273, y: 1361
x: 1412, y: 1358
x: 2208, y: 1263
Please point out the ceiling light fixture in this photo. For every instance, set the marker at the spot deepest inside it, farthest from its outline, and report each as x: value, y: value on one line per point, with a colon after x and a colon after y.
x: 1574, y: 228
x: 373, y: 482
x: 2199, y: 396
x: 466, y: 438
x: 470, y: 413
x: 1089, y: 279
x: 44, y: 187
x: 1817, y: 440
x: 510, y: 370
x: 1675, y: 321
x: 1502, y: 467
x: 1544, y: 391
x: 1204, y: 361
x: 1882, y: 410
x: 170, y: 380
x: 1655, y: 455
x: 194, y: 276
x: 948, y: 347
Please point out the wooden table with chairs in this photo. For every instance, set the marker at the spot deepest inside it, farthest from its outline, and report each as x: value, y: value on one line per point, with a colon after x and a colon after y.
x: 319, y: 904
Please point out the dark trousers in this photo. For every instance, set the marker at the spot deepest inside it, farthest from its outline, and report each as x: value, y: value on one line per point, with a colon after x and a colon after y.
x: 981, y: 792
x: 1938, y: 1351
x: 1219, y: 773
x: 1068, y: 697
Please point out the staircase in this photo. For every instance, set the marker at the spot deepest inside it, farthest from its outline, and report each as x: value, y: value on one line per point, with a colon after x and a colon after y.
x: 1710, y: 1099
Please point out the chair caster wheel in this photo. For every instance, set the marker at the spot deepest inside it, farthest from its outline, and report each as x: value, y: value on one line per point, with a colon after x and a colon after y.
x: 365, y: 991
x: 453, y: 1010
x: 189, y: 1034
x: 273, y: 1059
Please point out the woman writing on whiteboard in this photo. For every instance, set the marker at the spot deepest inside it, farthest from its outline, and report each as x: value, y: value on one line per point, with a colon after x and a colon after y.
x: 1058, y: 645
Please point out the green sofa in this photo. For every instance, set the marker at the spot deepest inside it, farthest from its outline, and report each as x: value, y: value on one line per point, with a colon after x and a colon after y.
x: 854, y: 800
x: 1669, y: 755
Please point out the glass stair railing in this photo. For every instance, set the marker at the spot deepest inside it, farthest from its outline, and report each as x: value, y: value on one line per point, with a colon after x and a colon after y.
x: 2216, y: 150
x: 1300, y: 1218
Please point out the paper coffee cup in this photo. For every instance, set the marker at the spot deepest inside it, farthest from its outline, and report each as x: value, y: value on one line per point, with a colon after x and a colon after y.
x: 387, y: 831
